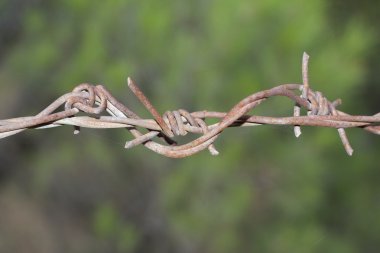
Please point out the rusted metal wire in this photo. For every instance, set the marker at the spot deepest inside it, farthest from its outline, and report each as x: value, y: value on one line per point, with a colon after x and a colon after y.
x: 105, y: 111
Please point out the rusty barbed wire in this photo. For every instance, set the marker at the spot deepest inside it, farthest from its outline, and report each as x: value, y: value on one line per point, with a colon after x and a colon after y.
x: 95, y: 100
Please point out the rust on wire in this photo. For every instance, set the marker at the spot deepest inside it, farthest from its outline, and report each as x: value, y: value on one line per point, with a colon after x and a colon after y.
x: 97, y: 101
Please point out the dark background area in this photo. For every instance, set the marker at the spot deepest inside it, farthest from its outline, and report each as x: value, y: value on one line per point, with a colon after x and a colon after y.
x: 266, y: 192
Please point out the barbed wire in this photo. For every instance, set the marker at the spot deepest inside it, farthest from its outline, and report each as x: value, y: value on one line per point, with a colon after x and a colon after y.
x: 96, y: 101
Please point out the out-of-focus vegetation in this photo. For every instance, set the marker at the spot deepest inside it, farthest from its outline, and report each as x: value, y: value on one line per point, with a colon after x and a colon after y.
x: 266, y: 192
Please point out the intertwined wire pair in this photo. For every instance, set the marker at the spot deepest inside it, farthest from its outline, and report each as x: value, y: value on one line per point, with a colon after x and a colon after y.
x: 96, y: 100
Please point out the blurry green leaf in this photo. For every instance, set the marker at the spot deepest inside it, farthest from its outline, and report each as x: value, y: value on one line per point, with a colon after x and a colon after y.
x: 106, y: 221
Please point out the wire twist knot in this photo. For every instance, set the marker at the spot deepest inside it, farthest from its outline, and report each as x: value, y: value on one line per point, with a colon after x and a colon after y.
x: 84, y: 97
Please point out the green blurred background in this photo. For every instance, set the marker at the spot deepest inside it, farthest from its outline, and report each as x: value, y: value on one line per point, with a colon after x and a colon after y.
x: 266, y: 192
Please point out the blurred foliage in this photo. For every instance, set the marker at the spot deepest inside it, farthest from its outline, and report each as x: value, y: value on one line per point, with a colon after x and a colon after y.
x: 266, y: 192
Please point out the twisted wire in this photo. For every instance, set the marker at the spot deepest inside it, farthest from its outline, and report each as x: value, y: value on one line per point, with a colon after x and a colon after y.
x: 105, y: 111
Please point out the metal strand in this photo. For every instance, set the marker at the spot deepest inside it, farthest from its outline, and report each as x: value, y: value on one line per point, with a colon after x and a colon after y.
x: 97, y: 101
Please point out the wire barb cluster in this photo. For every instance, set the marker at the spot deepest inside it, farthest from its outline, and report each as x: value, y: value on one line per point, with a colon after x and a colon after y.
x: 105, y: 111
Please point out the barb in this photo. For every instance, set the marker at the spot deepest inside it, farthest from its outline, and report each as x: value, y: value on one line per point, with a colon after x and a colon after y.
x: 105, y: 111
